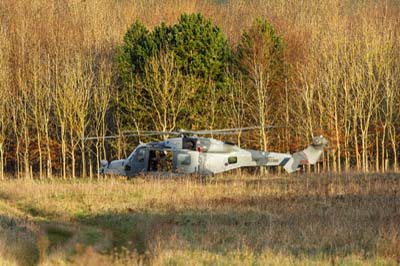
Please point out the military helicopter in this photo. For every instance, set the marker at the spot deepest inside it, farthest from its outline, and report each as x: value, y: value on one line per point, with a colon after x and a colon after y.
x: 189, y: 154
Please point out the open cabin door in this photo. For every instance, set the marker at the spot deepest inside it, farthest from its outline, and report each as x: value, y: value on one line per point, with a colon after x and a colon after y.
x: 186, y: 162
x: 160, y: 161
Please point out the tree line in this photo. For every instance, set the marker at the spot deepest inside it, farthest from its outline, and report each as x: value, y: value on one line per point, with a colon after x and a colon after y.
x: 74, y: 69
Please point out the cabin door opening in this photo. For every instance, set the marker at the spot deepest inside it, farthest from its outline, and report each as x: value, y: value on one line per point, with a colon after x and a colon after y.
x: 160, y: 161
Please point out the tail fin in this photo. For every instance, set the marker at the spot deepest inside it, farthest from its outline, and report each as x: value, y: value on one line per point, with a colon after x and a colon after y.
x: 308, y: 156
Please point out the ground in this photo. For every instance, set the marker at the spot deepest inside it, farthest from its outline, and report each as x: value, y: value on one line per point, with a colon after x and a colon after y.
x: 235, y: 219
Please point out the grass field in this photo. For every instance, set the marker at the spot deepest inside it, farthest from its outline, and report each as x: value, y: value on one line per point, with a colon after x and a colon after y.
x: 226, y: 220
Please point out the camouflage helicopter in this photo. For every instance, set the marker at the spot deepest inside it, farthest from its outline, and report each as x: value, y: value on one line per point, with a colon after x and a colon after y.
x: 189, y: 154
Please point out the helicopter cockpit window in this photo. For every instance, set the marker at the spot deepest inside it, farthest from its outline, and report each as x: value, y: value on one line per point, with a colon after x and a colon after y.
x: 189, y: 143
x: 138, y: 156
x: 232, y: 159
x: 183, y: 159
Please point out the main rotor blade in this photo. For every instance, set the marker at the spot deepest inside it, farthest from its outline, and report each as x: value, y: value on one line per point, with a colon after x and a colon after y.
x: 105, y: 137
x: 147, y: 133
x: 153, y: 132
x: 225, y: 130
x: 150, y: 133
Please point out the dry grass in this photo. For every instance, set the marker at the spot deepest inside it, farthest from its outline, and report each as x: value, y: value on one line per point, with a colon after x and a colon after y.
x: 230, y: 220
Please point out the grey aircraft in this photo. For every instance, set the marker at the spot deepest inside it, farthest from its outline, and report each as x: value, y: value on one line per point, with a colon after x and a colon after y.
x: 188, y: 154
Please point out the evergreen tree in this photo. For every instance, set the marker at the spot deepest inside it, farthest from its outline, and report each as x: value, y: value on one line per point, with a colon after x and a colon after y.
x: 133, y: 53
x: 200, y: 51
x: 201, y: 48
x: 262, y: 46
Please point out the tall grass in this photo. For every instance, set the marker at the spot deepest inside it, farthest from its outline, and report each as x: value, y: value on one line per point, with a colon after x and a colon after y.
x: 234, y: 220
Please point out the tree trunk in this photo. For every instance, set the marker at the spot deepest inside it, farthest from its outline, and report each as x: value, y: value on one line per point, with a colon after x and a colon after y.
x: 39, y: 144
x: 63, y: 151
x: 83, y: 157
x: 357, y: 152
x: 26, y: 153
x: 376, y: 152
x: 1, y: 162
x: 49, y: 161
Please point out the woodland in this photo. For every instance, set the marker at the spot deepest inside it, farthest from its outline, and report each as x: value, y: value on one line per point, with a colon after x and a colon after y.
x: 72, y: 68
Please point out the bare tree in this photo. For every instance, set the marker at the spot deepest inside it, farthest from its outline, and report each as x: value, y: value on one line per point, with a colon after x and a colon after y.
x: 101, y: 96
x: 5, y: 118
x: 165, y: 91
x: 78, y: 79
x: 236, y: 104
x: 261, y: 57
x: 61, y: 112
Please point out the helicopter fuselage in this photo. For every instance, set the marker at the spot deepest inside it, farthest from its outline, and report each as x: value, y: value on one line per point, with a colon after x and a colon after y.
x: 191, y: 155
